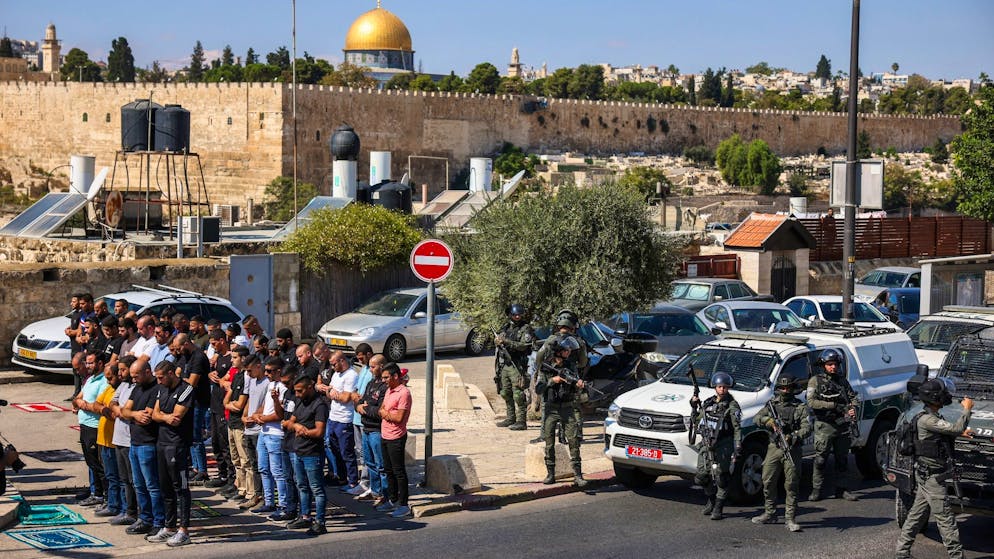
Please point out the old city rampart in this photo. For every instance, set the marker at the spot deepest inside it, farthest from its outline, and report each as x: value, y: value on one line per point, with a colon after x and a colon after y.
x: 244, y: 132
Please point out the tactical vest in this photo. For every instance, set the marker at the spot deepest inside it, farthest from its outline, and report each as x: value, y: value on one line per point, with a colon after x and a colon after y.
x: 786, y: 410
x: 935, y: 446
x: 515, y: 333
x: 828, y: 389
x: 717, y: 418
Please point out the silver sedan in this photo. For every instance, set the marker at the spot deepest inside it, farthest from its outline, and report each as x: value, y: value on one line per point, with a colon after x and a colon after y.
x: 752, y: 316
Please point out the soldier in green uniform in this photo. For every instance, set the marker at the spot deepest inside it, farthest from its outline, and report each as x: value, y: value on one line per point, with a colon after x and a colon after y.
x: 794, y: 425
x: 718, y: 419
x: 933, y: 452
x: 833, y: 403
x: 567, y: 325
x: 560, y: 387
x: 516, y: 339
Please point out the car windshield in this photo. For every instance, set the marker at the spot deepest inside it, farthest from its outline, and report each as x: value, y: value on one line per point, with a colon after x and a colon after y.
x: 880, y: 278
x: 971, y: 362
x: 691, y: 291
x: 387, y: 304
x: 940, y: 335
x: 110, y: 304
x: 592, y: 332
x: 750, y: 369
x: 862, y: 312
x: 669, y: 324
x: 760, y: 320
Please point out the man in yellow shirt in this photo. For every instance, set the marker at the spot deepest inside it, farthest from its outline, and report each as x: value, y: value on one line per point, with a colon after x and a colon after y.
x: 115, y: 502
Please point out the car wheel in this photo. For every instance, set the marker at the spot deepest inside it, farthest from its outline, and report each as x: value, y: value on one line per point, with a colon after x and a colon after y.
x: 396, y: 348
x: 747, y: 479
x: 476, y: 342
x: 633, y: 478
x: 870, y: 459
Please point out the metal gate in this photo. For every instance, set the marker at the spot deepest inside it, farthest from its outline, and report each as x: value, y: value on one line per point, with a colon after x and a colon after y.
x: 250, y: 287
x: 783, y: 279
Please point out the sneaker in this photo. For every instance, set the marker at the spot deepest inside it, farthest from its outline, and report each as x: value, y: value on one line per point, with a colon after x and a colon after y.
x: 401, y: 512
x: 122, y: 520
x: 91, y: 501
x: 368, y: 496
x: 153, y: 530
x: 106, y: 512
x: 199, y: 479
x: 264, y: 509
x: 162, y: 536
x: 316, y: 529
x: 379, y: 501
x: 387, y: 506
x: 355, y: 490
x: 302, y: 522
x: 83, y: 495
x: 250, y: 503
x: 282, y: 516
x: 178, y: 539
x: 216, y: 482
x: 138, y: 527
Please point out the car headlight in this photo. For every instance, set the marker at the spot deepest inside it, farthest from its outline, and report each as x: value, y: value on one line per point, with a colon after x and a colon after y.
x: 655, y: 357
x: 366, y: 332
x: 613, y: 411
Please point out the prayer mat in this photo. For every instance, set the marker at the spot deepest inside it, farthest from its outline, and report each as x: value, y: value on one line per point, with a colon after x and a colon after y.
x: 56, y: 538
x: 39, y: 407
x: 48, y: 515
x: 74, y: 427
x: 200, y: 510
x: 62, y: 455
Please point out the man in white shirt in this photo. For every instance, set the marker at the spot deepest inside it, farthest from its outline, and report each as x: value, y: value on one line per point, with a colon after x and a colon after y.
x: 146, y: 337
x: 257, y: 388
x: 341, y: 440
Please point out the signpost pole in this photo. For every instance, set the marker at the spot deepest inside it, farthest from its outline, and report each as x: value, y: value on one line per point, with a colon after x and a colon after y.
x: 852, y: 175
x: 430, y: 371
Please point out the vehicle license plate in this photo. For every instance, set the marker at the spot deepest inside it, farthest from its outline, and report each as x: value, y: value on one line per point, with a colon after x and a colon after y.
x: 644, y: 453
x: 338, y: 341
x: 27, y: 353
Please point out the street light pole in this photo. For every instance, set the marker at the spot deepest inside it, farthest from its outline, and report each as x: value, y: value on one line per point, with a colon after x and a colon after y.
x: 293, y: 100
x: 852, y: 175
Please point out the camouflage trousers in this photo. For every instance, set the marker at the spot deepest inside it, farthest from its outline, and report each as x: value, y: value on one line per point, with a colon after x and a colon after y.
x: 713, y: 479
x: 776, y: 461
x: 565, y: 414
x: 830, y: 440
x: 931, y: 496
x: 512, y: 389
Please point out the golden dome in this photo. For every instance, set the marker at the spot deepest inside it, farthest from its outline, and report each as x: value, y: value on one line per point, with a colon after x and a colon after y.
x: 378, y: 29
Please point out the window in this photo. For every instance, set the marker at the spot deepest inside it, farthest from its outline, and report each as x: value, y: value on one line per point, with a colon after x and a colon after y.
x: 808, y: 309
x: 86, y: 117
x: 229, y: 121
x: 443, y: 305
x: 221, y: 312
x: 388, y: 304
x: 799, y: 367
x: 690, y: 291
x: 750, y: 369
x: 720, y: 291
x: 795, y: 306
x: 107, y: 118
x: 422, y: 307
x: 914, y: 280
x: 317, y: 135
x: 618, y: 322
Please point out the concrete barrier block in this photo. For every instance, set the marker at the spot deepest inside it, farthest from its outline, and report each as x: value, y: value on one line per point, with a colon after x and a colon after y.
x: 411, y: 448
x: 456, y: 397
x: 535, y: 461
x: 441, y: 371
x: 452, y: 474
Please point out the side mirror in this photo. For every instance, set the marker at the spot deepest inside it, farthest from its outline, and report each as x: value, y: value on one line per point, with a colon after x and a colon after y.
x: 720, y: 325
x: 420, y: 314
x: 716, y: 331
x: 617, y: 344
x: 812, y: 318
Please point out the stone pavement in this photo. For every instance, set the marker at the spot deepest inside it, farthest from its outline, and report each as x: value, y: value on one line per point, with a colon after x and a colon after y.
x: 498, y: 455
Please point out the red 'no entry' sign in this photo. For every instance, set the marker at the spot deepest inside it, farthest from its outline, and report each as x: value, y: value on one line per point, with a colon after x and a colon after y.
x: 431, y: 260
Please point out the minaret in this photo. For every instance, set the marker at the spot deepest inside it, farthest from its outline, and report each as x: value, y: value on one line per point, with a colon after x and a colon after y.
x: 514, y: 68
x: 50, y: 51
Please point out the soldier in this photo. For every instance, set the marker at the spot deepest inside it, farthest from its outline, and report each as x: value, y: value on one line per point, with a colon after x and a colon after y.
x: 933, y: 457
x: 514, y: 344
x: 718, y: 420
x: 833, y: 402
x: 560, y: 388
x: 567, y: 325
x: 793, y: 425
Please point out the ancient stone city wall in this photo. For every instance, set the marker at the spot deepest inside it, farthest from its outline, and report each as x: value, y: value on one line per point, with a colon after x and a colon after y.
x: 244, y: 132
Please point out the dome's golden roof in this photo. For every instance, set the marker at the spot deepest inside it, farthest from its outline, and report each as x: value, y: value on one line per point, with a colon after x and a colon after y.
x: 378, y: 29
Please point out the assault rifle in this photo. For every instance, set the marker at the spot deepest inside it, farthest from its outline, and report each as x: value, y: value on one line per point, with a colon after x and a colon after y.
x: 854, y: 422
x: 692, y: 430
x: 571, y: 378
x: 503, y: 357
x: 954, y: 475
x: 779, y: 439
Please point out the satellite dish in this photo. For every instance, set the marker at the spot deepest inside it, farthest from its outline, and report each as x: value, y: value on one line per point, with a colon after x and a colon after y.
x: 97, y: 184
x: 114, y: 208
x: 510, y: 186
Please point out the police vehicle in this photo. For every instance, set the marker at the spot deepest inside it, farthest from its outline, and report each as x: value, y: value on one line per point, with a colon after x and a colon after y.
x: 646, y: 430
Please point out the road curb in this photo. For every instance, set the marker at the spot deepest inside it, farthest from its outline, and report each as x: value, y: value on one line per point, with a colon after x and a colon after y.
x: 9, y: 507
x: 20, y: 377
x: 507, y: 496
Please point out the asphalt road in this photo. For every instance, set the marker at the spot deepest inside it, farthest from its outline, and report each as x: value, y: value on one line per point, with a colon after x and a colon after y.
x: 662, y: 522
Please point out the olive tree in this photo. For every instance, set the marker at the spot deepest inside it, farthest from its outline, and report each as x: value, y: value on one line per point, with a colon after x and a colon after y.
x: 593, y: 250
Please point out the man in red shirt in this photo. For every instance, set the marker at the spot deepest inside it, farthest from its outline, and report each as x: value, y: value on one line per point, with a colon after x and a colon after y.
x: 395, y: 411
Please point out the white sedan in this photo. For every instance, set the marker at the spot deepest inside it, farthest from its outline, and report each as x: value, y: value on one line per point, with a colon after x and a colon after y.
x: 751, y: 316
x: 829, y: 308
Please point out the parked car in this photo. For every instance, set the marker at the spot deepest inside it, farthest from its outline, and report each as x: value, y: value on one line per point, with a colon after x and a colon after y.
x: 829, y: 308
x: 677, y: 330
x: 646, y: 429
x: 697, y: 293
x: 901, y: 305
x: 873, y: 283
x: 395, y: 323
x: 934, y: 334
x: 43, y: 345
x: 751, y: 316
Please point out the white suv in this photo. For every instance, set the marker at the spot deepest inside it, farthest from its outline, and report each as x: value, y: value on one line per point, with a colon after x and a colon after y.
x: 646, y: 429
x: 934, y: 334
x: 43, y: 345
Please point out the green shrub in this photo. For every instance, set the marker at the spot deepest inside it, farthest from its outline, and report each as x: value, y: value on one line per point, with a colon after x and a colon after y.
x: 278, y: 205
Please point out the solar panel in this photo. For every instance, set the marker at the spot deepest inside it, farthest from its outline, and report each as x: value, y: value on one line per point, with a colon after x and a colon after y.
x: 38, y: 209
x: 54, y: 209
x: 303, y: 216
x: 56, y: 216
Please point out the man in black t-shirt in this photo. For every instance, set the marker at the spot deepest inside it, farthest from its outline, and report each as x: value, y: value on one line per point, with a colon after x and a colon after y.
x: 193, y: 366
x: 174, y: 413
x: 72, y: 331
x: 310, y: 415
x: 221, y: 365
x: 114, y: 340
x: 144, y: 435
x: 234, y: 402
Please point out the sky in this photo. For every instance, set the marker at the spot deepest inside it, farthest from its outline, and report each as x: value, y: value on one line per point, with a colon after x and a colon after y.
x: 938, y: 39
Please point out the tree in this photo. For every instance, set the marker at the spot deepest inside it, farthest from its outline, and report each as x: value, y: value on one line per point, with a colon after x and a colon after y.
x: 349, y: 75
x: 483, y: 79
x: 278, y: 202
x: 752, y: 164
x: 77, y: 66
x: 512, y: 160
x: 672, y: 71
x: 895, y: 67
x: 728, y: 94
x: 984, y: 79
x: 6, y: 48
x: 423, y: 83
x: 227, y: 56
x: 359, y: 235
x: 263, y: 73
x: 309, y: 70
x: 691, y: 94
x: 939, y: 152
x: 196, y: 70
x: 824, y: 68
x: 557, y: 85
x: 251, y: 57
x: 512, y: 86
x: 586, y: 82
x: 593, y: 250
x: 957, y: 101
x: 120, y: 61
x: 863, y: 148
x: 973, y: 152
x: 155, y: 74
x: 644, y: 179
x: 280, y: 58
x: 452, y: 82
x: 700, y: 155
x: 762, y: 68
x: 797, y: 184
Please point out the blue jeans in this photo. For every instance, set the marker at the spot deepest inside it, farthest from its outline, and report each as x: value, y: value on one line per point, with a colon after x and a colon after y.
x: 307, y: 470
x: 270, y: 451
x: 201, y: 422
x: 145, y: 468
x: 329, y: 455
x: 342, y: 439
x: 115, y: 489
x: 372, y: 451
x: 291, y: 483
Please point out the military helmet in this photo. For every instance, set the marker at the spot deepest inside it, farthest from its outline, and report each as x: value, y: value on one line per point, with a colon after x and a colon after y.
x: 722, y: 379
x: 787, y: 383
x: 937, y: 391
x: 517, y: 309
x: 568, y: 318
x: 830, y: 355
x: 561, y: 343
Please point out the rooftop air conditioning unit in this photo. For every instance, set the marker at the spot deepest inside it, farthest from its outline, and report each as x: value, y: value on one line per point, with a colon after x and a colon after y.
x: 227, y: 213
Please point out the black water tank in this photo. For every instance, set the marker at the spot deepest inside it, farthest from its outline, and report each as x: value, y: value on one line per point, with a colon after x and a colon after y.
x: 392, y: 196
x: 135, y: 123
x: 362, y: 192
x: 172, y: 129
x: 344, y: 143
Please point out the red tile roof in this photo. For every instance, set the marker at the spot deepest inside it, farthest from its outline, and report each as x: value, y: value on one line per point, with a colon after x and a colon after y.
x: 755, y: 230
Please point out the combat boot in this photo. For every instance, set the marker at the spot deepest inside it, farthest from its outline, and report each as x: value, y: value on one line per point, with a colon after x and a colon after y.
x: 518, y: 426
x: 507, y: 422
x: 717, y: 513
x: 843, y: 494
x: 791, y: 525
x: 550, y: 478
x: 709, y: 506
x: 578, y: 477
x: 765, y: 518
x: 814, y: 496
